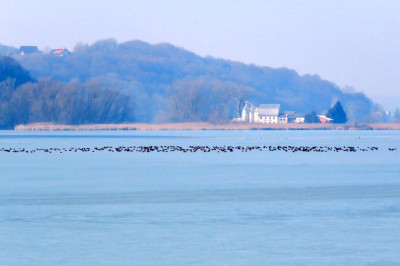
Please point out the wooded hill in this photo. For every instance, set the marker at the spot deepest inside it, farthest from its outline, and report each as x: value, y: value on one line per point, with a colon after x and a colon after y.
x: 24, y: 100
x: 170, y: 84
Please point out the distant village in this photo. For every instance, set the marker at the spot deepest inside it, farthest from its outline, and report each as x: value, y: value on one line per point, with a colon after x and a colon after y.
x: 272, y: 114
x: 23, y: 50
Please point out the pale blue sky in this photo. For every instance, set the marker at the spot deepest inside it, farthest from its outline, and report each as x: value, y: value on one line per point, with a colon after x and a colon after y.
x: 355, y: 43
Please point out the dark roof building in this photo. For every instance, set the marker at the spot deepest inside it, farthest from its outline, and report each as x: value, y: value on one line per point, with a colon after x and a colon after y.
x: 28, y: 50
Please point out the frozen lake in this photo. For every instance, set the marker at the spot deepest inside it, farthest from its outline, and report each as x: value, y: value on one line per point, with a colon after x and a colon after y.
x: 239, y: 208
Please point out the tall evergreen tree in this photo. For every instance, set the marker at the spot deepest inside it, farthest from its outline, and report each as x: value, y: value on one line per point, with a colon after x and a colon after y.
x: 337, y: 114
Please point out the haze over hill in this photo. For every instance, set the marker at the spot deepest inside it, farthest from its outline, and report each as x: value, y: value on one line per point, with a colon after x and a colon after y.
x: 168, y: 83
x: 352, y: 43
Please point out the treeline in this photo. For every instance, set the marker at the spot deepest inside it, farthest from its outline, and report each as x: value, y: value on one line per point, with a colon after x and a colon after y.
x: 204, y: 100
x: 23, y: 100
x: 7, y: 50
x: 156, y: 76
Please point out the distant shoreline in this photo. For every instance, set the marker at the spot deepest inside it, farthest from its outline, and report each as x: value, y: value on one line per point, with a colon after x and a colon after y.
x: 208, y: 126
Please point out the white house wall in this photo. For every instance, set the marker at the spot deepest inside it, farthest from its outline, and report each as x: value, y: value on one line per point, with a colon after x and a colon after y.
x: 250, y: 114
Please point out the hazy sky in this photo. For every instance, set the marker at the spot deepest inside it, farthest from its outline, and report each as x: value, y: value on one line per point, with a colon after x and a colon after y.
x: 355, y: 43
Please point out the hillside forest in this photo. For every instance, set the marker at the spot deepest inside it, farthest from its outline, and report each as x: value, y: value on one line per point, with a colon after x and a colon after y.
x: 110, y: 82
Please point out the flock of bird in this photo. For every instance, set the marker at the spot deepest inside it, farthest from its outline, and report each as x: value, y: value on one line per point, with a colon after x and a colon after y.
x: 193, y: 149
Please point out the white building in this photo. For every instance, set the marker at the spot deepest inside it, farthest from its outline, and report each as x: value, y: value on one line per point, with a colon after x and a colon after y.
x: 265, y: 113
x: 293, y: 117
x: 268, y: 114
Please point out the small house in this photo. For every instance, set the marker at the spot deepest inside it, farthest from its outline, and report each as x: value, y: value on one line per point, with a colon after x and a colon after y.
x: 23, y: 50
x: 293, y: 117
x: 60, y: 52
x: 324, y: 119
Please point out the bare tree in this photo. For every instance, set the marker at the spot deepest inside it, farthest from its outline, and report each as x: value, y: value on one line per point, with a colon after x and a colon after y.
x: 239, y: 96
x: 186, y: 101
x: 218, y: 102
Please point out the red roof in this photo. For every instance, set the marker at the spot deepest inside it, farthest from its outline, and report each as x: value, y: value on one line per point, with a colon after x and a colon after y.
x: 59, y: 51
x: 324, y: 119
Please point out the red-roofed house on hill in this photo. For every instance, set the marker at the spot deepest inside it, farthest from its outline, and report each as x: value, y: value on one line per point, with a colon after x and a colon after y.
x: 60, y: 52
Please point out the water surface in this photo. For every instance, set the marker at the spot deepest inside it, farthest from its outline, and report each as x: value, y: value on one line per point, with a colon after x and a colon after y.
x: 254, y: 208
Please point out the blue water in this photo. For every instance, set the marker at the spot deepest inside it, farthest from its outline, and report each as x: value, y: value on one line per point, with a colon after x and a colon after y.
x: 253, y: 208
